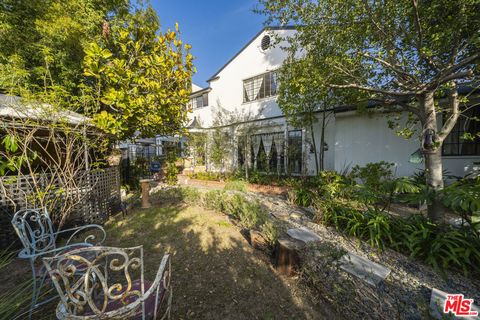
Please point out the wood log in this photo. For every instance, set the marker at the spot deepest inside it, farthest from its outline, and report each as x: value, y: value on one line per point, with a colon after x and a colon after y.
x: 287, y: 258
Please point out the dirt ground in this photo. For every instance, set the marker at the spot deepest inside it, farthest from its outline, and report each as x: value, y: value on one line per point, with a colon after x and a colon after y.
x: 215, y: 272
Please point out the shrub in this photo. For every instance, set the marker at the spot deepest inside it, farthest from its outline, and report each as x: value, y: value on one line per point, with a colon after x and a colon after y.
x: 301, y: 197
x: 214, y: 200
x: 250, y: 213
x: 463, y: 197
x: 171, y: 169
x: 440, y: 246
x: 373, y: 174
x: 191, y: 195
x: 272, y: 229
x: 208, y: 176
x: 237, y: 185
x: 171, y: 194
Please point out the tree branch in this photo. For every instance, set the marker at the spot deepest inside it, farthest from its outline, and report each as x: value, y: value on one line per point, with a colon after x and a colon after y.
x: 445, y: 74
x: 372, y: 89
x: 455, y: 113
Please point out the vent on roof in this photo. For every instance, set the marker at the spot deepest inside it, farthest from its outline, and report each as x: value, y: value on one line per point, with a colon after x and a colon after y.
x: 265, y: 42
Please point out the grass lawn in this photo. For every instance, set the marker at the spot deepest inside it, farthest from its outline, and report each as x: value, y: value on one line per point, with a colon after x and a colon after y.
x: 216, y: 274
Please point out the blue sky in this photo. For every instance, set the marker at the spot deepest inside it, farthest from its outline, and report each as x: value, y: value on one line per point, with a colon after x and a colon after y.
x: 216, y: 29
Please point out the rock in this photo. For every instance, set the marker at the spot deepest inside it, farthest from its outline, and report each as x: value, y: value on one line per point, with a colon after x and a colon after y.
x: 280, y: 215
x: 369, y: 271
x: 437, y: 303
x: 296, y: 215
x: 303, y: 234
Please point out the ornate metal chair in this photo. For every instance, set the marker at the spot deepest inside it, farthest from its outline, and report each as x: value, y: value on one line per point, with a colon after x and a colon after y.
x: 35, y: 230
x: 108, y: 283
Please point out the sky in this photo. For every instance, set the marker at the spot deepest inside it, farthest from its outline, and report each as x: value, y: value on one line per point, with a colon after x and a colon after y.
x: 216, y: 29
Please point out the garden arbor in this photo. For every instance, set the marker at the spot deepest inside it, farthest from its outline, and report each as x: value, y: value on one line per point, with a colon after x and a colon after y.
x: 53, y: 159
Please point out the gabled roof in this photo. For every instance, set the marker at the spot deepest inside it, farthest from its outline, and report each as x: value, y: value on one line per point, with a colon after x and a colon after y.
x: 245, y: 46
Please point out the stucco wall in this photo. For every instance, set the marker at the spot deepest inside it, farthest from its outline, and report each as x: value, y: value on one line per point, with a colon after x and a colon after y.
x: 360, y: 139
x: 227, y: 90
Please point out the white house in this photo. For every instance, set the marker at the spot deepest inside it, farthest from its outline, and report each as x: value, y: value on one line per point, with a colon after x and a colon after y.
x: 241, y: 99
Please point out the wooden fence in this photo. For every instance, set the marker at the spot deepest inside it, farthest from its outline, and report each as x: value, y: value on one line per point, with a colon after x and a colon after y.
x: 98, y: 194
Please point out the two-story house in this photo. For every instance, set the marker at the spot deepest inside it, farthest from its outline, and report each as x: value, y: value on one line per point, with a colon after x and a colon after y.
x: 242, y: 94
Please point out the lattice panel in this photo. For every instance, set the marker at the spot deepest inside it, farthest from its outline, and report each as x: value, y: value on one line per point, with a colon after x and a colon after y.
x: 98, y: 193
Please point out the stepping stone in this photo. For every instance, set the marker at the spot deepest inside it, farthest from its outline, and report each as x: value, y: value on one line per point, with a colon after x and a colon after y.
x: 369, y: 271
x: 437, y: 303
x: 303, y: 234
x: 279, y: 215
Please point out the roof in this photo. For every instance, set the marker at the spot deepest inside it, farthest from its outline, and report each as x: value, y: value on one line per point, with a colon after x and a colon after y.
x: 245, y: 46
x: 195, y: 87
x: 195, y: 93
x: 13, y: 107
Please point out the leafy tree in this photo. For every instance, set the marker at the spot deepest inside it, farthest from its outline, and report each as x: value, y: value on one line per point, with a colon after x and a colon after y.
x: 301, y: 97
x: 44, y: 41
x: 403, y: 54
x: 139, y: 79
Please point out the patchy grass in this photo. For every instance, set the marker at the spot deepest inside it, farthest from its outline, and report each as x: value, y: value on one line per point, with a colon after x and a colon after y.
x: 216, y: 274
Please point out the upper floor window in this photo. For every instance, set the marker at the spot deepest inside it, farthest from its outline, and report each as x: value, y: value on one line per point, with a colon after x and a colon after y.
x: 468, y: 122
x: 199, y: 101
x: 259, y: 87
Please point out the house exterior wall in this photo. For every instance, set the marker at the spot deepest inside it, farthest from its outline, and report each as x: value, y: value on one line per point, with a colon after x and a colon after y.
x: 360, y: 139
x: 352, y: 139
x: 227, y: 91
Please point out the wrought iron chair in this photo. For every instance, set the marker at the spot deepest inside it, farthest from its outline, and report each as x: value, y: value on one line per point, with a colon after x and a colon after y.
x: 108, y: 283
x: 36, y: 232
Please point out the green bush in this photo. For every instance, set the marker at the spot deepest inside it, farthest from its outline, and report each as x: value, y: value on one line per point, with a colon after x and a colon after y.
x: 191, y: 195
x: 208, y: 176
x: 441, y: 246
x: 373, y: 174
x: 249, y: 213
x: 214, y: 200
x: 463, y: 197
x: 301, y: 196
x: 237, y: 185
x: 271, y: 230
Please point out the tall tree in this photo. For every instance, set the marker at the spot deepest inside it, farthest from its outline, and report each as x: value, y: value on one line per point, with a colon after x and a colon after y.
x: 107, y: 59
x: 140, y: 78
x: 46, y: 39
x: 403, y: 54
x: 303, y: 101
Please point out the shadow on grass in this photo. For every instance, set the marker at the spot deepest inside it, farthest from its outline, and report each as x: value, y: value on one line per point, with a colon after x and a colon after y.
x: 216, y: 274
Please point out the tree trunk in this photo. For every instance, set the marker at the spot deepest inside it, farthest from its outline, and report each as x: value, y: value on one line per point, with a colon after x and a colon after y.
x: 246, y: 160
x: 322, y: 143
x: 434, y: 175
x: 314, y: 144
x: 433, y: 159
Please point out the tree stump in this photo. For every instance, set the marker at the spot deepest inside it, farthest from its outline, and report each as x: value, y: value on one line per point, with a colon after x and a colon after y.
x: 287, y: 258
x: 145, y: 183
x: 257, y: 240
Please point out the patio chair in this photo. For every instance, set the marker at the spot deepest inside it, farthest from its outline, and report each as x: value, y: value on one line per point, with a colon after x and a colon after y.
x: 110, y: 285
x: 36, y: 232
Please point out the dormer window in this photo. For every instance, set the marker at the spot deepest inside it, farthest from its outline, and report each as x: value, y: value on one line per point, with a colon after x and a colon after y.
x: 199, y: 101
x: 259, y: 87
